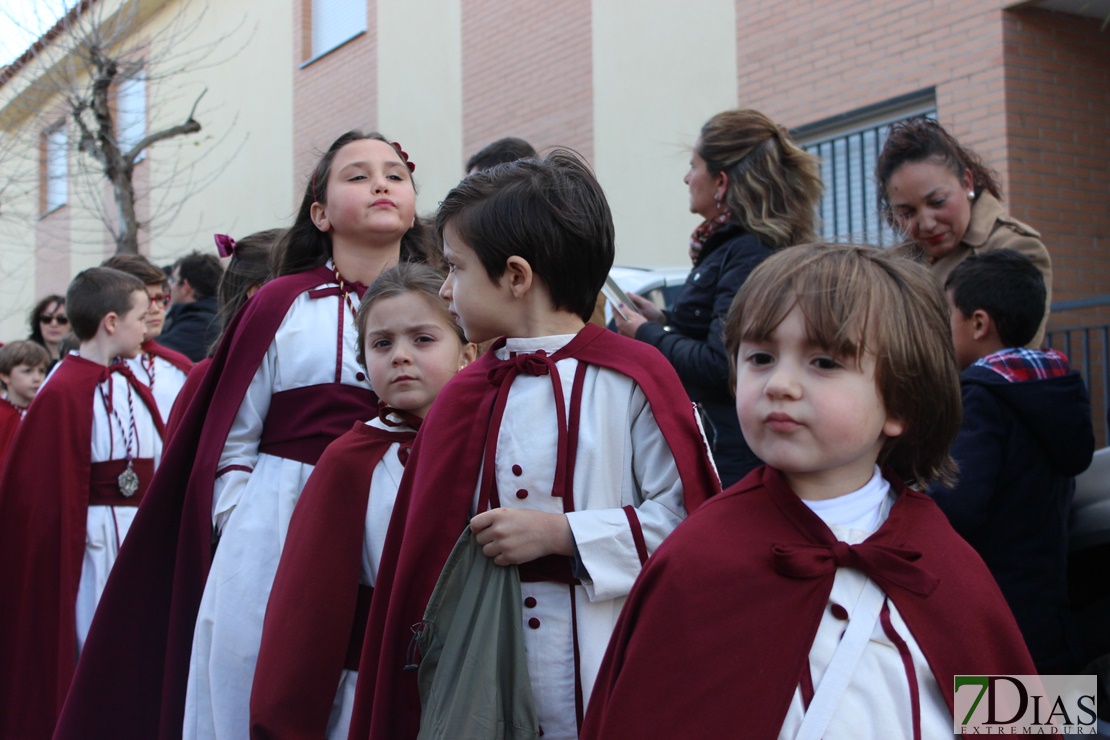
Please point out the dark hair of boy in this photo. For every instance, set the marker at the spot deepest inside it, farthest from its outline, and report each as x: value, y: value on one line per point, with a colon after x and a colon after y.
x: 402, y: 278
x: 1007, y: 286
x: 502, y: 151
x: 21, y: 353
x: 139, y: 266
x: 97, y: 292
x: 551, y: 212
x: 859, y: 298
x: 202, y: 271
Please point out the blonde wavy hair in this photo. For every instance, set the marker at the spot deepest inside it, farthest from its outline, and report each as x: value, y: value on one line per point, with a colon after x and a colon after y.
x: 774, y: 186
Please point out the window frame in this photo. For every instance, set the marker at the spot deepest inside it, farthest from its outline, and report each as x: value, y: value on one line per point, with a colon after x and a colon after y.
x: 131, y: 104
x: 322, y: 42
x: 55, y: 168
x: 849, y: 207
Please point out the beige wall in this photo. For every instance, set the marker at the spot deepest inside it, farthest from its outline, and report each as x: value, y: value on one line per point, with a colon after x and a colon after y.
x: 657, y: 77
x: 420, y: 90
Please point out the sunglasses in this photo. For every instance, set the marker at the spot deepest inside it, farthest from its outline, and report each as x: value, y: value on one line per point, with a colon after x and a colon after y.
x: 58, y: 319
x: 160, y: 298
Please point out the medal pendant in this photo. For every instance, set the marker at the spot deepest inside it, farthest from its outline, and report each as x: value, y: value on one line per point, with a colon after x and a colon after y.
x: 128, y: 482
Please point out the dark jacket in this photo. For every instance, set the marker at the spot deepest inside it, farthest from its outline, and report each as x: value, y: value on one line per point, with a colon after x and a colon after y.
x: 193, y: 327
x: 693, y: 341
x: 1019, y: 449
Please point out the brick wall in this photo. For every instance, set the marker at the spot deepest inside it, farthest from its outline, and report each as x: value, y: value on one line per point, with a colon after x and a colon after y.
x: 332, y: 94
x: 527, y: 72
x: 807, y: 61
x: 1058, y: 119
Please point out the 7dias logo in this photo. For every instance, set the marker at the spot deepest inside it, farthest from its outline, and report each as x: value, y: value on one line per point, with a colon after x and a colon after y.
x: 1025, y: 705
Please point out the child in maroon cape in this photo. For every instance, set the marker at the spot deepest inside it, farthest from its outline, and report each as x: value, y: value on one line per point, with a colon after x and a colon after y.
x: 820, y: 595
x: 22, y: 370
x: 571, y: 451
x: 161, y: 369
x: 181, y: 621
x: 80, y: 463
x: 316, y: 618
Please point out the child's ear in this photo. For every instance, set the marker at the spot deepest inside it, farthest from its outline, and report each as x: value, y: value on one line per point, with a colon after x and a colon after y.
x: 468, y: 355
x: 893, y: 427
x: 519, y: 274
x: 5, y: 379
x: 981, y: 325
x: 109, y: 322
x: 319, y: 216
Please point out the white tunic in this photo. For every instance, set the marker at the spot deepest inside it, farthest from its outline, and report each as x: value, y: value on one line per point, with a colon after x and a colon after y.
x: 252, y: 511
x: 106, y: 526
x: 877, y: 701
x: 622, y: 459
x: 162, y: 377
x: 379, y: 508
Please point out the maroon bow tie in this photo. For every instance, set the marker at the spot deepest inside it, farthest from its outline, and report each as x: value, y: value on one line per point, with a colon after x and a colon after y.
x: 887, y: 565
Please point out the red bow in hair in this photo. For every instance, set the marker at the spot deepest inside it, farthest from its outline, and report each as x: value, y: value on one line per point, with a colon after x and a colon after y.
x: 225, y: 245
x: 404, y: 156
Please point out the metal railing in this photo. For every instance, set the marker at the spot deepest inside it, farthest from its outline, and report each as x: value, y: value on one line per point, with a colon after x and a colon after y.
x: 1088, y: 350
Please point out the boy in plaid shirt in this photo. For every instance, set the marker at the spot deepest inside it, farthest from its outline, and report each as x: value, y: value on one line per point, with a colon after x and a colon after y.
x: 1026, y: 434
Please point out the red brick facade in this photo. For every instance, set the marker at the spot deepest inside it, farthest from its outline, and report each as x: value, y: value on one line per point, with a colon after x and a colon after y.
x: 528, y: 72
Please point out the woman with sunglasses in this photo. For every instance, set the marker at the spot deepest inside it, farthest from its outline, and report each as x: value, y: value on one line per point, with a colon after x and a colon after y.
x: 49, y: 325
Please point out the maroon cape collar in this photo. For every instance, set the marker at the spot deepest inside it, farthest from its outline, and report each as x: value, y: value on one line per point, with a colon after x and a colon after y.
x: 141, y: 636
x: 750, y: 614
x: 43, y: 515
x: 178, y: 360
x: 433, y: 506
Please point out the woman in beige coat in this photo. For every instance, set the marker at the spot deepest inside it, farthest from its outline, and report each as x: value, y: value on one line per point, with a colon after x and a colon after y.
x: 948, y: 202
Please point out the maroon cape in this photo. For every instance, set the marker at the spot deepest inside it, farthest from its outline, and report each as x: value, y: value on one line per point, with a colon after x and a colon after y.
x: 134, y: 668
x: 715, y: 634
x: 433, y: 507
x: 44, y: 503
x: 9, y: 422
x: 178, y: 360
x: 313, y: 604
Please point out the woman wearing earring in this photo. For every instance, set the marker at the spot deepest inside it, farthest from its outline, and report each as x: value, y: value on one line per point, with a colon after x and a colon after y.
x: 757, y: 192
x: 944, y: 199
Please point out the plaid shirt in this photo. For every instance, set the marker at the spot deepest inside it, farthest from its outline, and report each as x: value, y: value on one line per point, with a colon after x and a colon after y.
x: 1020, y: 364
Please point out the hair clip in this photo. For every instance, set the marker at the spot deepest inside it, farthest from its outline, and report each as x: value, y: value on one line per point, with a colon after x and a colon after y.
x: 404, y: 156
x: 225, y: 245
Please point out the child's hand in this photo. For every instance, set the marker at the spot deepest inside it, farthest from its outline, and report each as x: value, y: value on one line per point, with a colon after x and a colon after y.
x: 514, y: 536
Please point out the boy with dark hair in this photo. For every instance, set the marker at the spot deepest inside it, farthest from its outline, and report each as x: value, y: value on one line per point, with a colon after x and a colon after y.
x: 502, y: 151
x: 821, y: 596
x: 62, y: 518
x: 1026, y: 434
x: 22, y: 370
x: 163, y: 370
x: 192, y: 322
x: 570, y: 450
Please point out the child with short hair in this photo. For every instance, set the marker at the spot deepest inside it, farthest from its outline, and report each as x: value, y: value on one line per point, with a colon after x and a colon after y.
x: 570, y: 450
x: 162, y: 369
x: 62, y: 521
x: 1026, y: 434
x: 22, y: 369
x: 820, y: 595
x: 410, y: 346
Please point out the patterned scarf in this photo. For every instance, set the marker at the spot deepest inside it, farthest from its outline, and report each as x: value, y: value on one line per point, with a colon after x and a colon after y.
x: 705, y: 230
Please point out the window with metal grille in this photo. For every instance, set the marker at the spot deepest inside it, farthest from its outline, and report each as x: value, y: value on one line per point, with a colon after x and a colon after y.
x: 849, y: 145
